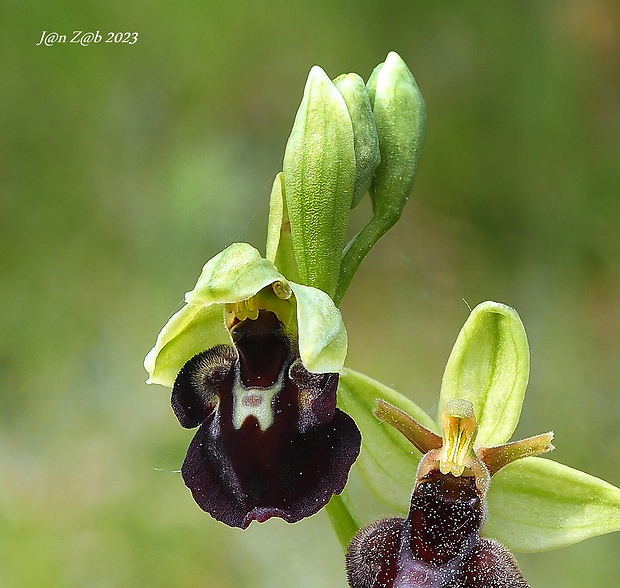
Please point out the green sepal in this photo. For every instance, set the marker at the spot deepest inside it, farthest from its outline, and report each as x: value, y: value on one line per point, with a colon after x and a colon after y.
x: 366, y: 140
x: 489, y: 366
x: 319, y: 178
x: 190, y: 331
x: 234, y: 275
x: 387, y: 461
x: 279, y: 248
x: 536, y: 504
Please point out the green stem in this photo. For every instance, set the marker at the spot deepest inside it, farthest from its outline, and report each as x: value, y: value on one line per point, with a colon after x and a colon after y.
x: 359, y: 247
x: 342, y: 519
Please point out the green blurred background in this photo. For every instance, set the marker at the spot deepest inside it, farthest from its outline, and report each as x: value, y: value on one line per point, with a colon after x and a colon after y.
x: 124, y: 168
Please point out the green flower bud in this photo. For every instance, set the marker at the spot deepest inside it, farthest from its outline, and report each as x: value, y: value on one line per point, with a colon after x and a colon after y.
x: 319, y: 179
x: 400, y: 116
x: 366, y: 140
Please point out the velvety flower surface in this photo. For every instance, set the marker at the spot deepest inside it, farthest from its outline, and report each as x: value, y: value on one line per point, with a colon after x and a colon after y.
x: 261, y: 389
x: 438, y: 544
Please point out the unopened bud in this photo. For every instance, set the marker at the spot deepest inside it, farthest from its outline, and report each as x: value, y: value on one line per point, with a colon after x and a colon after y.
x: 319, y: 179
x: 366, y: 141
x: 400, y: 116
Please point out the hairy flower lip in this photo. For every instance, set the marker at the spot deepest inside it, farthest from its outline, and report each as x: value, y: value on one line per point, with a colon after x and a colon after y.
x: 271, y: 441
x: 233, y: 502
x: 437, y: 545
x: 253, y: 361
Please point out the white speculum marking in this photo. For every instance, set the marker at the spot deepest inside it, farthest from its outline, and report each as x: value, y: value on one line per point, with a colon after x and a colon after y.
x: 255, y: 401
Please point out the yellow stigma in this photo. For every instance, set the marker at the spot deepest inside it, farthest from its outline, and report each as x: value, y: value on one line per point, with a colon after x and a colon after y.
x: 459, y: 433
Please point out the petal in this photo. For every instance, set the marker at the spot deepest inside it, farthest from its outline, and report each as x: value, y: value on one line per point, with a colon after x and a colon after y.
x: 489, y: 366
x: 235, y: 274
x: 238, y: 482
x: 388, y: 462
x: 279, y: 248
x: 322, y: 336
x: 537, y: 504
x: 188, y: 332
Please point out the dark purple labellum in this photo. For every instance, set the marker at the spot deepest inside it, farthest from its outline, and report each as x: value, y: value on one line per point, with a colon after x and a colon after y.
x: 271, y: 441
x: 437, y: 546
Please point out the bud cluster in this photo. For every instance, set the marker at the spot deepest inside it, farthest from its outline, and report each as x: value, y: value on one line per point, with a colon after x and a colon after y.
x: 349, y: 138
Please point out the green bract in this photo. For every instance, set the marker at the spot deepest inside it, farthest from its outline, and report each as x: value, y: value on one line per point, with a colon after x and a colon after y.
x: 233, y: 276
x: 534, y: 503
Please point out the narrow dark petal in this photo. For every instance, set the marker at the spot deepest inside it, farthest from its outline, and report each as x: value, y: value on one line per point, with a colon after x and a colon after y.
x: 256, y: 479
x: 195, y: 391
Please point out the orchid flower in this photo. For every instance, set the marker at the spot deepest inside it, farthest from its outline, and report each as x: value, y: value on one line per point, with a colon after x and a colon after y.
x: 469, y: 479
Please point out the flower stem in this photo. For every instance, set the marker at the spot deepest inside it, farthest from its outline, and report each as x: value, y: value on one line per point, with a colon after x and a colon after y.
x: 342, y: 519
x: 359, y: 247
